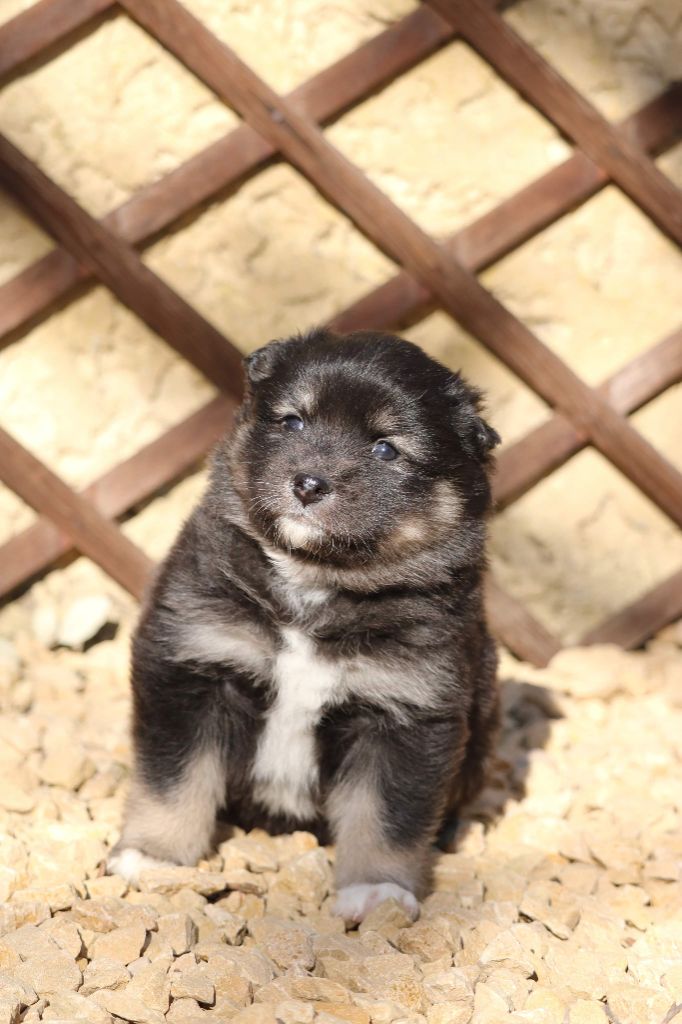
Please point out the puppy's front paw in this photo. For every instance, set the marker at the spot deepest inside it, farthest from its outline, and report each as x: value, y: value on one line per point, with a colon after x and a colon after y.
x: 128, y: 862
x: 354, y: 902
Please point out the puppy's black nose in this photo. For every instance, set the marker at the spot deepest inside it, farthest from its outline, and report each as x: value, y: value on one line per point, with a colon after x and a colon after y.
x: 309, y: 488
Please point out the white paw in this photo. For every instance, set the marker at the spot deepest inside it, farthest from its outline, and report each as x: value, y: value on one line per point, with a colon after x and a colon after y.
x: 129, y: 863
x: 354, y: 902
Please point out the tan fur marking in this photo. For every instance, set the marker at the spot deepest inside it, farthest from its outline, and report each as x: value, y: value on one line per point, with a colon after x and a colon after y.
x: 179, y: 825
x: 362, y: 852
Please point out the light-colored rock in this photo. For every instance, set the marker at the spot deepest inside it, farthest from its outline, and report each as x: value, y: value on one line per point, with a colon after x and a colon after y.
x: 65, y: 933
x: 57, y: 897
x: 284, y: 942
x: 301, y: 987
x: 337, y: 1013
x: 231, y: 927
x: 151, y: 985
x: 256, y: 852
x: 15, y: 798
x: 14, y: 988
x: 395, y: 976
x: 427, y: 940
x: 550, y: 903
x: 307, y: 877
x: 107, y: 886
x: 178, y: 930
x: 54, y: 971
x: 83, y: 618
x: 69, y: 1006
x: 103, y: 972
x: 123, y: 944
x: 387, y: 919
x: 128, y: 1007
x: 185, y: 1011
x: 193, y: 984
x: 168, y: 880
x: 259, y: 1013
x: 587, y: 1011
x: 68, y: 766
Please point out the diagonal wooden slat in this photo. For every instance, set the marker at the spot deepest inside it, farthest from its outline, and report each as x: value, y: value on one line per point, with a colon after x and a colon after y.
x: 119, y: 267
x: 516, y: 628
x: 130, y: 482
x: 458, y: 291
x: 402, y: 299
x: 47, y: 22
x: 543, y: 86
x: 93, y: 534
x: 541, y: 451
x: 631, y: 626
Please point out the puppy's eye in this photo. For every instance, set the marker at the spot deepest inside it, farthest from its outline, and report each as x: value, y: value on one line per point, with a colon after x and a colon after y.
x: 385, y: 451
x: 291, y: 423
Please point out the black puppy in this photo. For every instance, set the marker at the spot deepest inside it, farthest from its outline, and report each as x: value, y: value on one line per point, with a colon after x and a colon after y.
x: 314, y: 652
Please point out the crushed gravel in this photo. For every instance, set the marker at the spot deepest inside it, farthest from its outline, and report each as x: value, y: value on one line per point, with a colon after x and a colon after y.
x: 561, y: 902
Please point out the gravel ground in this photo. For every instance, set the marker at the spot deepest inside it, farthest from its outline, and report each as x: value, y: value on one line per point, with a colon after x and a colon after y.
x: 561, y: 902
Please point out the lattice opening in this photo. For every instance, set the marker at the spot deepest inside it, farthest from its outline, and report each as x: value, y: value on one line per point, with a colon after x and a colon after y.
x: 272, y: 259
x: 414, y: 140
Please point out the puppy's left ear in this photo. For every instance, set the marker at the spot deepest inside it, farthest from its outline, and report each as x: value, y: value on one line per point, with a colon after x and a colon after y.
x: 477, y: 437
x: 261, y: 363
x: 483, y: 438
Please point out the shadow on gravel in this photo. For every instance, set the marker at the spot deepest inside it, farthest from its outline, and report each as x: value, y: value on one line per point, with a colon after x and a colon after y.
x: 527, y: 711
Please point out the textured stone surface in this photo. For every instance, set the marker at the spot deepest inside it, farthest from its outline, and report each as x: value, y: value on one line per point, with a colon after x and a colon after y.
x: 566, y: 896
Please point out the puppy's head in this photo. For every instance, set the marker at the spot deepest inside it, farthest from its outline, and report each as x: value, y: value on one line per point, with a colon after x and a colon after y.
x: 355, y: 448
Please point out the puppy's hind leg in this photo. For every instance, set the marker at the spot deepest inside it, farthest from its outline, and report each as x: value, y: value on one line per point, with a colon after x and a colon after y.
x: 179, y: 781
x: 171, y: 823
x: 383, y: 811
x: 369, y: 869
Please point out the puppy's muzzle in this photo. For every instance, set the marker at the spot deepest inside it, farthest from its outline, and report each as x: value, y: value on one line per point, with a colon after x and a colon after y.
x: 309, y: 488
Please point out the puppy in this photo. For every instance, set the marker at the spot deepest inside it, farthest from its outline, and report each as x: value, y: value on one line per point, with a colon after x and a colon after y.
x: 313, y: 653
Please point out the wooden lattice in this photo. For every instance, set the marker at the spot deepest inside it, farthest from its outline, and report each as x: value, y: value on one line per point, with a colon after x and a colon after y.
x: 434, y: 275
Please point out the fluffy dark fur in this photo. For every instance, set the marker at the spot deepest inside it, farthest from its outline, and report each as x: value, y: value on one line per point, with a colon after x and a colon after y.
x: 327, y: 591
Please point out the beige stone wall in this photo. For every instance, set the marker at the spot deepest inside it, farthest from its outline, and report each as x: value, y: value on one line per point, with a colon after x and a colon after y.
x: 90, y: 384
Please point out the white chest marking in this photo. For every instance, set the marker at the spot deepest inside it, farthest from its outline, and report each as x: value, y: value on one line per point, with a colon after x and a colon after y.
x: 285, y: 770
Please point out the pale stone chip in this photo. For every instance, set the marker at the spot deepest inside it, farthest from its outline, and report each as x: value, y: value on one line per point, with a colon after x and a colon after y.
x: 151, y: 985
x: 16, y: 798
x: 65, y: 933
x: 167, y: 880
x: 14, y: 988
x: 69, y: 1006
x: 57, y: 897
x: 194, y: 984
x: 186, y: 1011
x: 67, y: 767
x: 128, y: 1007
x: 231, y: 927
x: 178, y: 930
x: 107, y: 913
x: 83, y: 618
x: 284, y: 942
x: 50, y: 973
x: 427, y: 940
x: 103, y: 972
x: 123, y: 944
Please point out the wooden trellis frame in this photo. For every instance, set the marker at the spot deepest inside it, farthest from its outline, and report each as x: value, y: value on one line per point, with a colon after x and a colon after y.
x: 434, y: 275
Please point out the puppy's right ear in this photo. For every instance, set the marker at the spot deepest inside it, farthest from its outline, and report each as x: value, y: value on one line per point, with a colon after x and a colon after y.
x: 261, y: 363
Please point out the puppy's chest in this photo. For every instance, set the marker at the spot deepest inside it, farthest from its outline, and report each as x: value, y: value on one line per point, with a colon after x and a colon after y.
x: 305, y: 683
